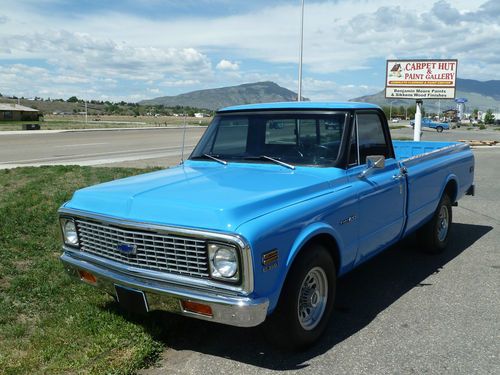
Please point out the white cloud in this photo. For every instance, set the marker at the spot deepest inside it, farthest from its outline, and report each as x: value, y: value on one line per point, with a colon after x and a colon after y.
x: 104, y: 57
x: 227, y: 65
x: 341, y: 37
x: 180, y: 83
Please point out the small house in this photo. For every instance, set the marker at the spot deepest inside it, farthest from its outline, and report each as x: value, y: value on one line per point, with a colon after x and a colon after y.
x: 17, y: 112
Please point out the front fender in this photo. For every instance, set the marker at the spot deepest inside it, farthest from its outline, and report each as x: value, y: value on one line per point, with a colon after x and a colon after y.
x: 310, y: 232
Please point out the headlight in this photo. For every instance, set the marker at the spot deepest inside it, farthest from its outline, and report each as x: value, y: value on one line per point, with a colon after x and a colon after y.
x: 70, y: 235
x: 223, y: 262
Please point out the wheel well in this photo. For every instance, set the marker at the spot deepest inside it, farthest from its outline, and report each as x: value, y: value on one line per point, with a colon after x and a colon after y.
x: 329, y: 243
x: 451, y: 190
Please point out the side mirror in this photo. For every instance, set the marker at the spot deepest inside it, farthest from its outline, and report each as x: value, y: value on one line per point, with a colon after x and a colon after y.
x: 373, y: 162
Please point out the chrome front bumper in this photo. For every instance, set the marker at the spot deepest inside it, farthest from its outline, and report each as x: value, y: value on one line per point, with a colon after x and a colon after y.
x: 227, y: 309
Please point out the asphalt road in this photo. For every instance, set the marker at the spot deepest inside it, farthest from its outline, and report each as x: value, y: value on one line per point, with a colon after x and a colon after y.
x: 404, y: 312
x: 95, y: 147
x: 457, y: 134
x: 141, y: 147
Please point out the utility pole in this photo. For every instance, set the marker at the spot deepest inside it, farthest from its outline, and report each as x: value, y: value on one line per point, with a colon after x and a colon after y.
x: 299, y: 98
x: 183, y: 140
x: 86, y: 119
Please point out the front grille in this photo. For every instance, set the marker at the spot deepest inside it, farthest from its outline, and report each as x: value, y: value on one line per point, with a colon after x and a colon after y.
x: 154, y: 251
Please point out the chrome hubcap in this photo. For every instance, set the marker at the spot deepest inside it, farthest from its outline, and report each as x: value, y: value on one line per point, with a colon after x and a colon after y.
x: 312, y: 298
x: 443, y: 223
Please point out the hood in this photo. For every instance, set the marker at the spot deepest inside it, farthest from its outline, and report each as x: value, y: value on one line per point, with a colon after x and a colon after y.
x: 204, y: 195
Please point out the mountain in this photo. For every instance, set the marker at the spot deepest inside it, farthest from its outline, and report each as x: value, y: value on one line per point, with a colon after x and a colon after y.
x: 487, y: 88
x: 480, y: 95
x: 259, y: 92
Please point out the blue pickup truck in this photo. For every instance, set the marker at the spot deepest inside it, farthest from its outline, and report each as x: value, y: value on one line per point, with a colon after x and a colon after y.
x: 274, y: 204
x: 428, y: 123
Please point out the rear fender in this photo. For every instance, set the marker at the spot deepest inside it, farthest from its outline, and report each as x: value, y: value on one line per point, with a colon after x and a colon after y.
x: 449, y: 178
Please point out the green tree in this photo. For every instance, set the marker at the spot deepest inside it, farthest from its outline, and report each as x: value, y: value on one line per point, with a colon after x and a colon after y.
x: 73, y: 99
x: 386, y: 110
x: 489, y: 118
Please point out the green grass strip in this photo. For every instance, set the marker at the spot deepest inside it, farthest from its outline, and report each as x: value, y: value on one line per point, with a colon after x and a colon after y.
x: 48, y: 323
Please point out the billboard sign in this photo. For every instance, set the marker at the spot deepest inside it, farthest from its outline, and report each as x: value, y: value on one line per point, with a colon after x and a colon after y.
x: 421, y: 79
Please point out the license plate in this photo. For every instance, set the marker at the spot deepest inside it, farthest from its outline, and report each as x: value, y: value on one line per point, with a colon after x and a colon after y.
x: 131, y: 299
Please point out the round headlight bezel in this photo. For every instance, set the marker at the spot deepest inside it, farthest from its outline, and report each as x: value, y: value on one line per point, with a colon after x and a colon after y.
x: 224, y: 262
x: 69, y: 231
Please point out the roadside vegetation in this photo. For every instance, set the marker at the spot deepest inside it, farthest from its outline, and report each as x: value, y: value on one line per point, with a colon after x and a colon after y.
x: 61, y: 122
x: 395, y: 127
x: 49, y: 324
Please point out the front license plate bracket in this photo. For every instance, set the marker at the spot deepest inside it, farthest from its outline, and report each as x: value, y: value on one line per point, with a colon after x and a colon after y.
x: 132, y: 300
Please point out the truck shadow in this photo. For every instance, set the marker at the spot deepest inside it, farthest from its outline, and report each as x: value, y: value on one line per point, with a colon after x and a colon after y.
x: 361, y: 296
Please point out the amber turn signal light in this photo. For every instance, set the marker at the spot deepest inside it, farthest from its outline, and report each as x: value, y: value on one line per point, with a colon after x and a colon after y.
x: 197, y: 308
x: 87, y: 277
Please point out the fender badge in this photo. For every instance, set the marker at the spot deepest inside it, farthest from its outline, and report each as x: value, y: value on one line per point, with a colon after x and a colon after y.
x: 348, y: 220
x: 270, y: 260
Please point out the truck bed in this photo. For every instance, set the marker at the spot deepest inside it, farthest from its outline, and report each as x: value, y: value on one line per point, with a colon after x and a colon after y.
x: 430, y: 166
x: 409, y: 149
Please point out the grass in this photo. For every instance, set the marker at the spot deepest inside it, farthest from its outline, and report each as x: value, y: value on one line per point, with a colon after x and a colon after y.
x: 395, y: 127
x: 49, y: 324
x: 52, y: 122
x: 402, y: 138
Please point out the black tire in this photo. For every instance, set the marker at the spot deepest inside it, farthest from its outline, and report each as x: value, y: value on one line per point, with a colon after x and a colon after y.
x: 433, y: 237
x: 284, y: 327
x: 439, y: 129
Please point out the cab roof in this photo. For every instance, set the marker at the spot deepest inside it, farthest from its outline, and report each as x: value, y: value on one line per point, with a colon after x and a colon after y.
x: 300, y: 105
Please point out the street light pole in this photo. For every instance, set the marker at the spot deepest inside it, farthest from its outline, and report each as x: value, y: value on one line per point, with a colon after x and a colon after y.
x: 299, y: 98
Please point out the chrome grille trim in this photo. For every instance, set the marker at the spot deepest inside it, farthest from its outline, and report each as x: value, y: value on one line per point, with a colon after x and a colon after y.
x: 246, y: 287
x: 155, y: 251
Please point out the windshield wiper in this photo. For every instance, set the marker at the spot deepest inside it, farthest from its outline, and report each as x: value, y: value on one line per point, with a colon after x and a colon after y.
x: 265, y: 157
x: 210, y: 157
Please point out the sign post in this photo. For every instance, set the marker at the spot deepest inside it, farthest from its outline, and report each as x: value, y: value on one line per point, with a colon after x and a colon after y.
x: 418, y: 121
x: 420, y: 79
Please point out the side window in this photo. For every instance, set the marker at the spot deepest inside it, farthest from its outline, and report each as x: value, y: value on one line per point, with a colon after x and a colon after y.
x: 231, y: 137
x: 353, y: 147
x: 371, y: 139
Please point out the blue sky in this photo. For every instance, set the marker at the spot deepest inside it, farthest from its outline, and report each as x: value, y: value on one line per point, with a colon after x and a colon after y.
x: 133, y: 50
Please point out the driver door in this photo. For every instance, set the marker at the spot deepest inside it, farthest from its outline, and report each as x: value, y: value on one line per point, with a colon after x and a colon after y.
x: 381, y: 192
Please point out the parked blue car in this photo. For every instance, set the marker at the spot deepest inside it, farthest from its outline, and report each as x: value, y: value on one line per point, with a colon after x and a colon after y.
x: 428, y: 123
x: 260, y: 221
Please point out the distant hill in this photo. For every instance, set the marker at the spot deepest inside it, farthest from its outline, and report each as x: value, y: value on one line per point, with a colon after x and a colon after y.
x: 487, y: 88
x: 480, y: 95
x: 259, y: 92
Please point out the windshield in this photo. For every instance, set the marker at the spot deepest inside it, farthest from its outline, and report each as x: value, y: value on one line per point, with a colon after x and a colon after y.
x: 293, y: 138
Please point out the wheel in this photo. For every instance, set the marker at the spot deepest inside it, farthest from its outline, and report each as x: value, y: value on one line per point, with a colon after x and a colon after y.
x: 306, y: 300
x: 433, y: 236
x: 439, y: 129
